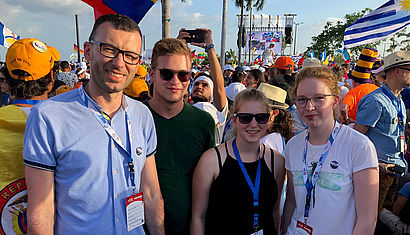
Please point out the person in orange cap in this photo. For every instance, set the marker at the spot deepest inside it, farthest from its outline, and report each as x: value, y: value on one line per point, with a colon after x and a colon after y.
x: 280, y: 75
x: 29, y: 74
x: 138, y: 88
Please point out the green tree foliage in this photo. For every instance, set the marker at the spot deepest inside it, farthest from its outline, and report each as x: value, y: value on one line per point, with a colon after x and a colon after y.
x: 231, y: 56
x: 258, y: 4
x: 399, y: 41
x: 331, y: 37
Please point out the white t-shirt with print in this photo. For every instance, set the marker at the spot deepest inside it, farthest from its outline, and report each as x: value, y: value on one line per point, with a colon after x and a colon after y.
x: 334, y: 209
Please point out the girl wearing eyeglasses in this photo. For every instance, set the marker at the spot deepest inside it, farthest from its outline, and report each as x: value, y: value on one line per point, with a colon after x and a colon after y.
x: 237, y: 185
x: 331, y: 168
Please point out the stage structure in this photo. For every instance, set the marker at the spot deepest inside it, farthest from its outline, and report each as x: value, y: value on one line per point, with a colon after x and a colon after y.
x: 268, y: 36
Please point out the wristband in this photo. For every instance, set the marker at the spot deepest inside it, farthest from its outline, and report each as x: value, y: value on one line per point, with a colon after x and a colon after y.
x: 209, y: 47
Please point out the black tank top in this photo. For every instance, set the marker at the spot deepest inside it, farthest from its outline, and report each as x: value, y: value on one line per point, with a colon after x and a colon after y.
x: 230, y: 206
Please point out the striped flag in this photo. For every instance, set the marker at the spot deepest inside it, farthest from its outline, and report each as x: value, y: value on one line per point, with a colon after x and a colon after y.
x: 6, y: 36
x: 312, y: 54
x: 323, y: 56
x: 76, y: 49
x: 135, y: 9
x: 379, y: 24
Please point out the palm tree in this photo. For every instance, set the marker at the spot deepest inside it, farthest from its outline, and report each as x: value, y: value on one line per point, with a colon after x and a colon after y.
x: 223, y: 33
x: 166, y: 18
x: 258, y: 4
x: 231, y: 56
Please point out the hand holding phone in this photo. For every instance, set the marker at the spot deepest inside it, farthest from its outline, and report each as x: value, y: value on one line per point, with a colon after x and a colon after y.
x: 197, y: 36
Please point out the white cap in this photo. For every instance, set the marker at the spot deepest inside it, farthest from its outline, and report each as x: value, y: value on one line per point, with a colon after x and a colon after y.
x: 209, y: 81
x: 228, y: 67
x: 233, y: 89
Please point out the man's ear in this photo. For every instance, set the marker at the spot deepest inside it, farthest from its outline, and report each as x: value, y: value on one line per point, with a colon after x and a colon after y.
x: 87, y: 50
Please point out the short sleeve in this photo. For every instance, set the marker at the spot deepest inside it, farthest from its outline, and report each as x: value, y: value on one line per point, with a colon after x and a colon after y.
x: 405, y: 190
x: 365, y: 155
x: 151, y: 136
x: 39, y: 142
x: 287, y: 161
x: 368, y: 111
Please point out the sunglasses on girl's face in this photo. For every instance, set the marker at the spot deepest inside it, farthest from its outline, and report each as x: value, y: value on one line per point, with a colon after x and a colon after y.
x: 246, y: 118
x: 168, y: 74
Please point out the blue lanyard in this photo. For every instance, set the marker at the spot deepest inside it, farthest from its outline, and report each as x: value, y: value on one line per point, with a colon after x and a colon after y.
x: 254, y: 189
x: 105, y: 123
x: 398, y: 107
x: 26, y: 101
x: 310, y: 185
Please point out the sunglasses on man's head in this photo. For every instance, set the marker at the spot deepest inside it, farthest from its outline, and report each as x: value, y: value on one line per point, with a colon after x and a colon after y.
x: 246, y: 118
x: 168, y: 74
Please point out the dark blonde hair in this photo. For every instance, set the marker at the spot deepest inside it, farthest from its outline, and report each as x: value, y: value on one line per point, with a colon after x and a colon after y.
x: 249, y: 95
x: 168, y: 47
x: 323, y: 73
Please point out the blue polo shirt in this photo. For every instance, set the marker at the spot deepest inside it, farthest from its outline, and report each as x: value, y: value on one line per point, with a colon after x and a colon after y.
x: 91, y: 173
x: 377, y: 111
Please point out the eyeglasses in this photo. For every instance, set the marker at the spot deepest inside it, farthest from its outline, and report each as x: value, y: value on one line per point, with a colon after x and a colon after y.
x: 168, y: 74
x: 407, y: 69
x: 246, y: 118
x: 111, y: 51
x: 317, y: 100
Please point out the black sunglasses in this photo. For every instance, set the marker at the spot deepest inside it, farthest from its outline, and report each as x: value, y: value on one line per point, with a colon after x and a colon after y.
x: 246, y: 118
x: 168, y: 74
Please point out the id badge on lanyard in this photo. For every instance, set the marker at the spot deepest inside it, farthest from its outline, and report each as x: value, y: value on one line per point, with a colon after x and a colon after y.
x: 135, y: 211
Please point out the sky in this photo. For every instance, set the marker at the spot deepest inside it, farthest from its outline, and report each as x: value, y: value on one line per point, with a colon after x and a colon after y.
x: 53, y: 21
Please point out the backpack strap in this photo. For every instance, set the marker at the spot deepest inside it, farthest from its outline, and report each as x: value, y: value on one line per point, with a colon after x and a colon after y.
x: 272, y: 160
x: 219, y: 158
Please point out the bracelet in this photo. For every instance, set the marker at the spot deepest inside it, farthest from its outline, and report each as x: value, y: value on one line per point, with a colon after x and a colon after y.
x: 209, y: 47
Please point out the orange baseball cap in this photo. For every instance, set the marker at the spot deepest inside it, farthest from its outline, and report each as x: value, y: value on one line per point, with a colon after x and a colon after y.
x: 141, y: 72
x: 31, y: 55
x: 283, y: 62
x: 135, y: 88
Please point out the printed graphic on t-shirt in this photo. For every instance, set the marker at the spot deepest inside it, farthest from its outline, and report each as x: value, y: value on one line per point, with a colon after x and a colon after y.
x: 326, y: 180
x: 13, y: 208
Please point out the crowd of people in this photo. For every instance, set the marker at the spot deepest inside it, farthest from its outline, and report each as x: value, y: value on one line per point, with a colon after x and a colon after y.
x: 112, y: 145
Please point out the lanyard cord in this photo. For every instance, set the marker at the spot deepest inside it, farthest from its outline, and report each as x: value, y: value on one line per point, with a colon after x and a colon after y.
x: 98, y: 113
x: 254, y: 189
x: 397, y: 105
x: 310, y: 184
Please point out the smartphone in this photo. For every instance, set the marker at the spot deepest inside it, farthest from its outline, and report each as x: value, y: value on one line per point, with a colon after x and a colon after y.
x: 195, y: 36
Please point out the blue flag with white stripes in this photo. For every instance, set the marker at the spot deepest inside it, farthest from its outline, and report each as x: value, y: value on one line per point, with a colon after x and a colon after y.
x: 378, y: 24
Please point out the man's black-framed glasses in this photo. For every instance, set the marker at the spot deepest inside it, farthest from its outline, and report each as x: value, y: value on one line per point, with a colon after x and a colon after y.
x: 111, y: 51
x: 317, y: 100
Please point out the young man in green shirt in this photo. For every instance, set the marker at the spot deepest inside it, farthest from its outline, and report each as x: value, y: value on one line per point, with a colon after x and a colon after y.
x: 183, y: 131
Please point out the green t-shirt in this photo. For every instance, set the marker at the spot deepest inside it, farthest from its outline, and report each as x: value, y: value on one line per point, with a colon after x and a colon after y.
x: 181, y: 142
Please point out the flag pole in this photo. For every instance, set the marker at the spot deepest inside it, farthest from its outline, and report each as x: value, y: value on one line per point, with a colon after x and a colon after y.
x: 78, y: 38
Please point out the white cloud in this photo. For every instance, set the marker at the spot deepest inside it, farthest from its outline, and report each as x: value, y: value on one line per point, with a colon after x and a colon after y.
x: 65, y: 7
